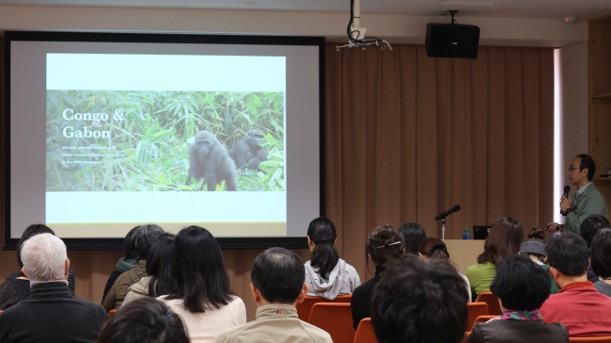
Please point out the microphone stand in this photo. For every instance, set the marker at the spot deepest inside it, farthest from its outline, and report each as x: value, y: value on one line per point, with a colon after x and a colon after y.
x: 443, y: 228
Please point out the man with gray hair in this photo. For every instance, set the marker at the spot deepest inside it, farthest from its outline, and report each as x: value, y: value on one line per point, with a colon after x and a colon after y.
x: 52, y: 313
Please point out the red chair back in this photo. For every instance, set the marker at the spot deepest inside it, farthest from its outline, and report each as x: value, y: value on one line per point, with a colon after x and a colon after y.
x: 335, y: 318
x: 494, y: 307
x: 304, y: 308
x: 364, y: 333
x: 475, y: 309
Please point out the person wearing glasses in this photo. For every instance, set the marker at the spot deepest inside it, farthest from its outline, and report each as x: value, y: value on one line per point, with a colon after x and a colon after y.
x: 384, y: 245
x: 586, y: 201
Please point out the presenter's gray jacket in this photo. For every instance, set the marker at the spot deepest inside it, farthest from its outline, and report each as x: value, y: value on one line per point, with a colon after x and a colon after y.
x: 275, y: 323
x: 589, y: 202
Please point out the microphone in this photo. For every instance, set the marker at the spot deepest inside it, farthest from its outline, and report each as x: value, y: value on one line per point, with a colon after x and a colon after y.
x: 448, y: 212
x: 567, y: 189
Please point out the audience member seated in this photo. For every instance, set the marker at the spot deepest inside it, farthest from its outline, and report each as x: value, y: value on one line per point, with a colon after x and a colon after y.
x: 143, y: 238
x: 52, y: 313
x: 144, y: 320
x: 434, y: 248
x: 578, y: 305
x: 160, y: 280
x: 277, y: 284
x: 126, y: 262
x: 419, y: 302
x: 522, y: 287
x: 326, y: 274
x: 504, y: 239
x: 413, y: 234
x: 534, y: 249
x: 17, y: 286
x: 588, y: 229
x: 601, y: 260
x: 203, y: 299
x: 383, y: 246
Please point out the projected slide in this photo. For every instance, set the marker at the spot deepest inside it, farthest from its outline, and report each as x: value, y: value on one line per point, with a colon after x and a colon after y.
x: 173, y: 138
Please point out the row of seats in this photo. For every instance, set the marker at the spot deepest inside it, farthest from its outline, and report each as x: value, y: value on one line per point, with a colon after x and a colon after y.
x: 335, y: 317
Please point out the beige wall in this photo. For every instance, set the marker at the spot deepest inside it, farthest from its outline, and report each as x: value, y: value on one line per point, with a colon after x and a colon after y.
x: 574, y: 106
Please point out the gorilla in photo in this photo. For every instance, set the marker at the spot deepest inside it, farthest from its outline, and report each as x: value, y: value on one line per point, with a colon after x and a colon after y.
x: 209, y: 159
x: 248, y: 152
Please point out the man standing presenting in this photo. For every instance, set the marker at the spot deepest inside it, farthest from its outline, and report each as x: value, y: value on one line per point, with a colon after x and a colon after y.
x: 586, y: 200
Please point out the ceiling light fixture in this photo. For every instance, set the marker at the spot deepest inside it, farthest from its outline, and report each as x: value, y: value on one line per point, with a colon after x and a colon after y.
x: 570, y: 19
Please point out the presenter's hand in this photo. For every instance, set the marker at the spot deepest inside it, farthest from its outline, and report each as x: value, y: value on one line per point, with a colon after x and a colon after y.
x: 565, y: 203
x: 553, y: 227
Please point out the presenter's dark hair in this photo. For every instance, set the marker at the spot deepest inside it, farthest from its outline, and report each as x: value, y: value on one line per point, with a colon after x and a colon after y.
x: 159, y: 266
x: 433, y: 247
x: 143, y: 237
x: 506, y: 235
x: 321, y: 231
x: 521, y: 284
x: 568, y: 253
x: 591, y: 225
x: 30, y: 231
x: 279, y: 275
x: 417, y: 301
x: 384, y: 244
x: 413, y: 234
x: 201, y: 280
x: 587, y: 162
x: 601, y: 253
x: 144, y: 320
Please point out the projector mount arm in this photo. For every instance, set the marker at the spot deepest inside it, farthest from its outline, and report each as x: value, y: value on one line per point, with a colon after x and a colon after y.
x: 356, y: 34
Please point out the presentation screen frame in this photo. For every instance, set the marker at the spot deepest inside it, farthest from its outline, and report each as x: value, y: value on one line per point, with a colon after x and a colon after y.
x: 229, y: 242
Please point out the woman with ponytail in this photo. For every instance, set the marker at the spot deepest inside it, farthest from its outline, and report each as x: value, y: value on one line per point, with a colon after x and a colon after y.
x: 434, y: 248
x: 327, y: 275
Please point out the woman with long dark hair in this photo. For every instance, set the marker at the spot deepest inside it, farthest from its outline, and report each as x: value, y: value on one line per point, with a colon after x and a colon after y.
x: 506, y: 235
x: 327, y: 275
x: 203, y: 298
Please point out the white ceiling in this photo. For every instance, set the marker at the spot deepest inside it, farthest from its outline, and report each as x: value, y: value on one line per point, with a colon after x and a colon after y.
x: 581, y: 9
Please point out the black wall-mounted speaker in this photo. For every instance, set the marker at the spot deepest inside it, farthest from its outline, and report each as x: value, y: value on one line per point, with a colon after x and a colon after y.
x: 452, y: 40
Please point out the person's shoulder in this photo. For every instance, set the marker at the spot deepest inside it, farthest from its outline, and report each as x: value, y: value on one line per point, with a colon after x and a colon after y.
x: 232, y: 334
x: 236, y: 300
x: 349, y: 268
x: 317, y: 334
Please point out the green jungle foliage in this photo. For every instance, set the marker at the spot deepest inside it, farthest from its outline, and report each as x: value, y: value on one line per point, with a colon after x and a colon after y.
x: 141, y: 144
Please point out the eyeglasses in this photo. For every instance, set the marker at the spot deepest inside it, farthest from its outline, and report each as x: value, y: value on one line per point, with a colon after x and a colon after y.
x: 570, y: 169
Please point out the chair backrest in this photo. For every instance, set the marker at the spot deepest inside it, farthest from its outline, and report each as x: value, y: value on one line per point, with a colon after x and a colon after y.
x: 364, y: 333
x: 335, y: 318
x: 494, y: 307
x: 599, y: 339
x: 475, y: 309
x: 304, y: 308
